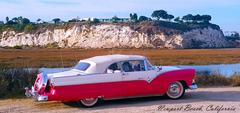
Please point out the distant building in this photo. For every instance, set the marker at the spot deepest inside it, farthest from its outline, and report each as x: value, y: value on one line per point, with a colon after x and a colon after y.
x: 100, y: 19
x: 86, y: 19
x: 105, y: 20
x: 111, y: 20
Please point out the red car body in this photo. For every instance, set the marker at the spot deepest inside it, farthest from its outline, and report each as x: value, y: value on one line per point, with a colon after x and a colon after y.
x: 74, y: 85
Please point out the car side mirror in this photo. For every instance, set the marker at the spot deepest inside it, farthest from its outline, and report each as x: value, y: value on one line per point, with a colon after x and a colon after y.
x: 117, y: 71
x: 158, y: 68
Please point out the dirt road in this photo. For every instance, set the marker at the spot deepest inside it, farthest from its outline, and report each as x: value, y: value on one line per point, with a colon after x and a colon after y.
x: 208, y: 100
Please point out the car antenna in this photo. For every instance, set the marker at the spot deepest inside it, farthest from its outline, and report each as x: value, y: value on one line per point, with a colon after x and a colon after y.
x: 61, y: 56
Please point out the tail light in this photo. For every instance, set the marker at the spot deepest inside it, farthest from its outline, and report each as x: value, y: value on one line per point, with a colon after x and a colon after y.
x: 40, y: 83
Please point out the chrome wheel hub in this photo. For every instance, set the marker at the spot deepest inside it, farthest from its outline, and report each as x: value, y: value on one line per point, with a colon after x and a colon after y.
x: 175, y: 90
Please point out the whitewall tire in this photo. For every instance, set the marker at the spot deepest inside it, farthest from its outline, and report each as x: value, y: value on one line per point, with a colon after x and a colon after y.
x: 175, y: 90
x: 89, y: 102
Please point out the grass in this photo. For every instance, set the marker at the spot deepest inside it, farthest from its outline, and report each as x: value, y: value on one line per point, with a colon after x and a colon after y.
x: 206, y: 79
x: 13, y: 76
x: 68, y: 57
x: 14, y: 80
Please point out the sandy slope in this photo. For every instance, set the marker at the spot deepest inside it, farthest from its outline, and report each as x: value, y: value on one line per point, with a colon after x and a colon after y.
x: 208, y: 100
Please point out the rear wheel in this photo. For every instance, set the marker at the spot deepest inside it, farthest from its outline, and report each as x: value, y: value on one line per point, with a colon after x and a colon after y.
x: 89, y: 102
x: 175, y: 90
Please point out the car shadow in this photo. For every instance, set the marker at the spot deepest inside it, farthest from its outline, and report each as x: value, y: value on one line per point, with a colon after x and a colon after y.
x: 189, y: 97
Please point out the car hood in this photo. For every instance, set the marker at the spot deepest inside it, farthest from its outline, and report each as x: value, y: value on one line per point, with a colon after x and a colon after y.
x: 169, y: 68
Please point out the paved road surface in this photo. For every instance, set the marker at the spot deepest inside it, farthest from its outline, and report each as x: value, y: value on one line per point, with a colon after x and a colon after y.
x: 208, y: 100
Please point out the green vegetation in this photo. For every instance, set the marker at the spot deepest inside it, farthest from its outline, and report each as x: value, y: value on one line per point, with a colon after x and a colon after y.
x: 115, y: 19
x: 233, y: 36
x: 56, y: 20
x: 14, y: 80
x: 205, y: 78
x: 52, y: 45
x: 42, y: 57
x: 160, y: 19
x: 133, y: 17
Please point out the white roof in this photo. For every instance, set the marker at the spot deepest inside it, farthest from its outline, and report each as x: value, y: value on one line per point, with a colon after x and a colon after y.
x: 99, y: 64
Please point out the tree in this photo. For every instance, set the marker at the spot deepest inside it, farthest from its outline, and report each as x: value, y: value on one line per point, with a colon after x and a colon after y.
x: 25, y: 21
x: 56, y: 20
x: 19, y: 20
x: 177, y: 19
x: 95, y: 20
x: 159, y: 14
x: 206, y: 18
x: 170, y: 17
x: 188, y: 17
x: 39, y: 20
x: 74, y: 20
x: 15, y: 19
x: 133, y: 17
x: 197, y: 18
x: 235, y: 34
x: 10, y: 22
x: 7, y: 19
x: 142, y: 18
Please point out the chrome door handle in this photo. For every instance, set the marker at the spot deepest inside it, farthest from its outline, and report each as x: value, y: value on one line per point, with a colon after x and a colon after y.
x: 148, y: 79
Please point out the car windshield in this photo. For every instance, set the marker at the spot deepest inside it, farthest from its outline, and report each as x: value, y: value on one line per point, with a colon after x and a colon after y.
x: 149, y: 66
x: 82, y: 66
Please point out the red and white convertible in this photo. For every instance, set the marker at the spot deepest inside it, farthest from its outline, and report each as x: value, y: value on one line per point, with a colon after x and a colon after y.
x: 112, y: 77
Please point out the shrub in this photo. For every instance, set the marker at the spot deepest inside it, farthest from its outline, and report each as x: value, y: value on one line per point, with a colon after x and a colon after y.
x: 52, y: 45
x: 28, y: 28
x: 18, y: 47
x: 205, y: 78
x: 235, y: 79
x: 14, y: 80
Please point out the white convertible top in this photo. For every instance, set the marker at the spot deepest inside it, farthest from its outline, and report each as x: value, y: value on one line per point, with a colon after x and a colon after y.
x: 99, y: 64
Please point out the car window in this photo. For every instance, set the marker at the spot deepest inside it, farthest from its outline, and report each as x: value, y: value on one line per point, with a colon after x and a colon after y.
x: 134, y: 65
x: 82, y: 66
x: 113, y: 67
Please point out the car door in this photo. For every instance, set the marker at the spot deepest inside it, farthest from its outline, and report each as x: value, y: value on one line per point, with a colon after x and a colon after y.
x: 113, y: 87
x: 136, y: 78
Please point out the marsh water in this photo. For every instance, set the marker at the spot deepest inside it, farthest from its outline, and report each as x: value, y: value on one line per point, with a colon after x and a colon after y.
x: 223, y: 69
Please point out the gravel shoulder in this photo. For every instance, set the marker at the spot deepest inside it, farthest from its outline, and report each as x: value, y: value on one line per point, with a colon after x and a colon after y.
x: 209, y: 100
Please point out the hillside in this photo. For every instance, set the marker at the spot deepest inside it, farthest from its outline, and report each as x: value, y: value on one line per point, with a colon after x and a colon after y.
x: 148, y: 34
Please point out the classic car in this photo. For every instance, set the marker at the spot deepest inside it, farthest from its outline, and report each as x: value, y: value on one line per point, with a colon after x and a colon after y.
x: 112, y: 77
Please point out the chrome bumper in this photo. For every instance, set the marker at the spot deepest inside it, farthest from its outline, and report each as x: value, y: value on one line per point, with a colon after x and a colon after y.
x: 193, y: 86
x: 32, y: 93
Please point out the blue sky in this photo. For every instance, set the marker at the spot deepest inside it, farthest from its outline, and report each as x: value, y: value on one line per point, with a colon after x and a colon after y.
x: 224, y: 12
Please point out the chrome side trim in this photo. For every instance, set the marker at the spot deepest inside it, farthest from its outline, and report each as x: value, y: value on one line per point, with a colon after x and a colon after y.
x: 117, y: 98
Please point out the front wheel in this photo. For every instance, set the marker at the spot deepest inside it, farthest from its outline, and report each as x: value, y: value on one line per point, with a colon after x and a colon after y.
x: 89, y: 102
x: 175, y: 90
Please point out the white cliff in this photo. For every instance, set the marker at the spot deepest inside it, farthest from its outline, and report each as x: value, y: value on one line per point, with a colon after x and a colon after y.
x: 117, y: 36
